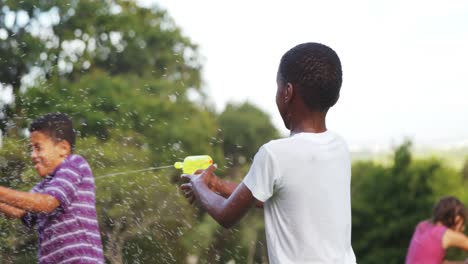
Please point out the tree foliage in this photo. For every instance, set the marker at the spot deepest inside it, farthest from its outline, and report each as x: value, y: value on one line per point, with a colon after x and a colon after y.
x: 49, y: 42
x: 244, y: 128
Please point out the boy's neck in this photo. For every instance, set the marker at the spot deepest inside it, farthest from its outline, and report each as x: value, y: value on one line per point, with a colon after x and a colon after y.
x: 311, y: 122
x: 62, y: 160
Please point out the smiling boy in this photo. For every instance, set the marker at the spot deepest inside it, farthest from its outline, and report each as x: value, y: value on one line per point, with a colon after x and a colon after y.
x: 61, y: 206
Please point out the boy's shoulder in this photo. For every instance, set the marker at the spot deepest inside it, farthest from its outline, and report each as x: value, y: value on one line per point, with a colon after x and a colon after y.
x: 277, y: 147
x: 300, y: 138
x: 74, y: 161
x: 275, y: 143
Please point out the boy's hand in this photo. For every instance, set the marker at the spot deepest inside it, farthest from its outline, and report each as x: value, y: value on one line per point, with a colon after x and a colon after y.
x: 207, y: 176
x: 186, y: 187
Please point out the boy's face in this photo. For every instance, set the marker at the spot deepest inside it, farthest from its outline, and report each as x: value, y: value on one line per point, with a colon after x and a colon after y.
x: 46, y: 154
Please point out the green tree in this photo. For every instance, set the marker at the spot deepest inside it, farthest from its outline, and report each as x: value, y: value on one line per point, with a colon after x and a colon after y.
x: 244, y: 129
x: 156, y: 109
x: 116, y: 36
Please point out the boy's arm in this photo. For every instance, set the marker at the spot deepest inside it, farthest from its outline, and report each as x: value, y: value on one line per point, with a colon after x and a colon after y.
x: 225, y: 189
x: 226, y: 211
x: 222, y: 187
x: 11, y: 212
x: 28, y: 201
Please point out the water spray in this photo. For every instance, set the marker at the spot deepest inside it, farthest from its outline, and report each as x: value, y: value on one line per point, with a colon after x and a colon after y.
x: 189, y: 166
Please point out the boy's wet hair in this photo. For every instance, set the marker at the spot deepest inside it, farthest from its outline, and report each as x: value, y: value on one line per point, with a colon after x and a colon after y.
x: 447, y: 209
x: 57, y: 126
x: 315, y: 70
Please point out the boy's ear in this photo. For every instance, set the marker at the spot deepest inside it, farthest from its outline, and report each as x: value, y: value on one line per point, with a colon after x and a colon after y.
x: 288, y: 93
x: 64, y: 148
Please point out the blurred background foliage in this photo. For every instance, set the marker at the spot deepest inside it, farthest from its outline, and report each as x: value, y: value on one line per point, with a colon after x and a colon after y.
x: 131, y: 82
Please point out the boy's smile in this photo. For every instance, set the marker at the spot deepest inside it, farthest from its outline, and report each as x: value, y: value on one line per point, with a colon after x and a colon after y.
x: 46, y: 154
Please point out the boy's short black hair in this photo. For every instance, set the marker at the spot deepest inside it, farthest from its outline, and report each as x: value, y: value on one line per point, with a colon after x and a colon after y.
x: 315, y: 70
x: 57, y: 126
x: 447, y: 209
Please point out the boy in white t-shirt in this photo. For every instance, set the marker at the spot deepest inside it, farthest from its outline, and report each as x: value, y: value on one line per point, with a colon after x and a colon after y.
x: 303, y: 180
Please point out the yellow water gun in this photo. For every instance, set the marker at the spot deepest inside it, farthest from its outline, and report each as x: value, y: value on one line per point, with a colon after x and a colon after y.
x: 193, y: 163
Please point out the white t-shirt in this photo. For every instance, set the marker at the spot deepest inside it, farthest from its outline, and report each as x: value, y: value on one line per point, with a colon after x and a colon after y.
x: 304, y: 181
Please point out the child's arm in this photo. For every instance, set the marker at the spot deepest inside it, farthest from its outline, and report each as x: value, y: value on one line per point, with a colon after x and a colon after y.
x: 28, y: 201
x: 11, y: 212
x: 455, y: 239
x: 225, y: 189
x: 222, y: 187
x: 226, y: 211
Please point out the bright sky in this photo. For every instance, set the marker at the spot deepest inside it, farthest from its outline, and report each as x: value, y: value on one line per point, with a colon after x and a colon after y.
x: 404, y: 62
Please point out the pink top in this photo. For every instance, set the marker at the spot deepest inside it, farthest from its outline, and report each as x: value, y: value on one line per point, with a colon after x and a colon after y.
x: 426, y: 244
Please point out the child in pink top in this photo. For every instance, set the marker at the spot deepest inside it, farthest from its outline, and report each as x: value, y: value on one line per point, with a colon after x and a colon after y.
x: 426, y: 244
x: 432, y: 237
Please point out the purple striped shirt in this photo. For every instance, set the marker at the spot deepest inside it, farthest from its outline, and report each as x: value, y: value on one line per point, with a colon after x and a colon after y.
x: 70, y: 234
